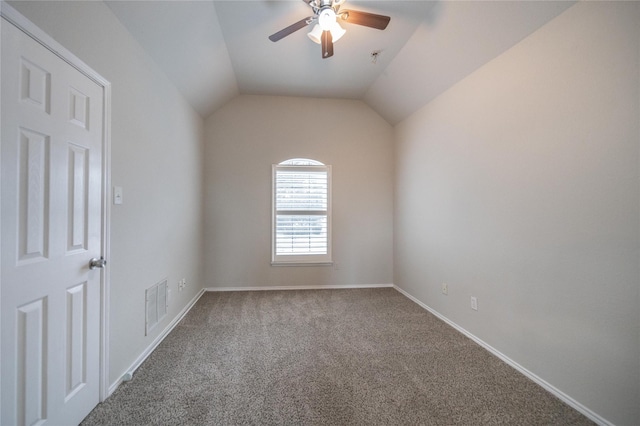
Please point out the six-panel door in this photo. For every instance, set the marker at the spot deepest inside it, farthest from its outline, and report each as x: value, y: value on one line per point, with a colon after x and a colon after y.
x: 51, y: 215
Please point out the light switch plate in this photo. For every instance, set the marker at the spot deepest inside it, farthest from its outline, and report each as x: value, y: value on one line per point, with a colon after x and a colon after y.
x: 117, y: 195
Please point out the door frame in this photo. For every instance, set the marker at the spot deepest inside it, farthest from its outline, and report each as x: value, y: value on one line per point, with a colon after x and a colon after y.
x: 10, y: 16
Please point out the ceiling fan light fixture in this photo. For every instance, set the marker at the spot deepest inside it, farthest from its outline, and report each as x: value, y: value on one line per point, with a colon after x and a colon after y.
x: 316, y: 34
x: 337, y: 31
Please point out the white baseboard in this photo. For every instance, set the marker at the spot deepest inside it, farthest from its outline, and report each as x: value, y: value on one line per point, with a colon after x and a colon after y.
x: 155, y: 342
x: 547, y: 386
x: 298, y: 287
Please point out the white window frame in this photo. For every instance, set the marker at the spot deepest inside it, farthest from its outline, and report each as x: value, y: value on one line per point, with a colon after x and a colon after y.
x: 300, y: 259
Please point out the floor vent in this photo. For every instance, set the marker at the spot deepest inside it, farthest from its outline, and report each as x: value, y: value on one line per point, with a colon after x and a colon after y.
x: 156, y: 305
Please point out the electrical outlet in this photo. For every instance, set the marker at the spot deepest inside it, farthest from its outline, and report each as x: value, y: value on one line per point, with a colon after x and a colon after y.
x: 474, y: 303
x: 445, y: 288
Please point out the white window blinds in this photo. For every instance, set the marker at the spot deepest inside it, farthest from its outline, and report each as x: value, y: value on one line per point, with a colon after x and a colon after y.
x: 301, y: 216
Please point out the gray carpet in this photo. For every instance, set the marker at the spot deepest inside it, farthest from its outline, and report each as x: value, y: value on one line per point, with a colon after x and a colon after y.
x: 324, y: 357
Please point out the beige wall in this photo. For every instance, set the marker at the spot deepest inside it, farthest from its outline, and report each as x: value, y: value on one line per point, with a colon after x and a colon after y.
x: 520, y: 186
x: 156, y: 146
x: 251, y: 133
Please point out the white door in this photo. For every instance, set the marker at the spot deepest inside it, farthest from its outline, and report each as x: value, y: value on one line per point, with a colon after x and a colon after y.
x: 51, y: 226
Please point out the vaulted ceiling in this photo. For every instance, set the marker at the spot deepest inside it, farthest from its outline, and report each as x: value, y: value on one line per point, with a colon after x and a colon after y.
x: 215, y: 50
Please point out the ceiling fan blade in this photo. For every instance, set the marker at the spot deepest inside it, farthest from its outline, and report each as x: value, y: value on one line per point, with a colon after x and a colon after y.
x: 290, y: 29
x: 372, y: 20
x: 327, y: 45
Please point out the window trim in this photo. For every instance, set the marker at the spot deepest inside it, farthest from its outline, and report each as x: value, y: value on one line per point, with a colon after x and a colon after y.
x: 303, y: 259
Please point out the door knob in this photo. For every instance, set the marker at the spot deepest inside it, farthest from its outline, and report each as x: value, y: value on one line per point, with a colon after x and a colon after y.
x: 97, y: 263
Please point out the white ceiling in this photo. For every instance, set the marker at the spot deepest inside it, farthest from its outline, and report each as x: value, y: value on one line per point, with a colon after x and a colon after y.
x: 215, y: 50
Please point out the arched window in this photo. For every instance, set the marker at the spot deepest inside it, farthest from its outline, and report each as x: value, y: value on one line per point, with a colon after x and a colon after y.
x: 301, y: 227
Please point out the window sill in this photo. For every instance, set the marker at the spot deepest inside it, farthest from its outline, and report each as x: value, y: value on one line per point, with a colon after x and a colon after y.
x: 301, y: 263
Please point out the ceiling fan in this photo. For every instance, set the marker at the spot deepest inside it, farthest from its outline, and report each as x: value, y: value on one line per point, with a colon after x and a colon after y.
x: 327, y: 30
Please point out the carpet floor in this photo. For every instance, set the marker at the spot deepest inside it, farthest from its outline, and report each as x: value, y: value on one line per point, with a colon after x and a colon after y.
x: 324, y: 357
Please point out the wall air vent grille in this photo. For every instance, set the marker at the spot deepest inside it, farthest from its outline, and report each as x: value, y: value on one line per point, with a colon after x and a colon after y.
x: 156, y: 302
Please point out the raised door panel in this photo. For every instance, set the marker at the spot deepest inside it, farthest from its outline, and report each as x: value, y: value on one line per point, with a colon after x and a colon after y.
x: 33, y: 181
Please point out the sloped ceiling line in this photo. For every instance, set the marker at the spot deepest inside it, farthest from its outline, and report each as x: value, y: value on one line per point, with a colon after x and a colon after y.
x: 215, y: 50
